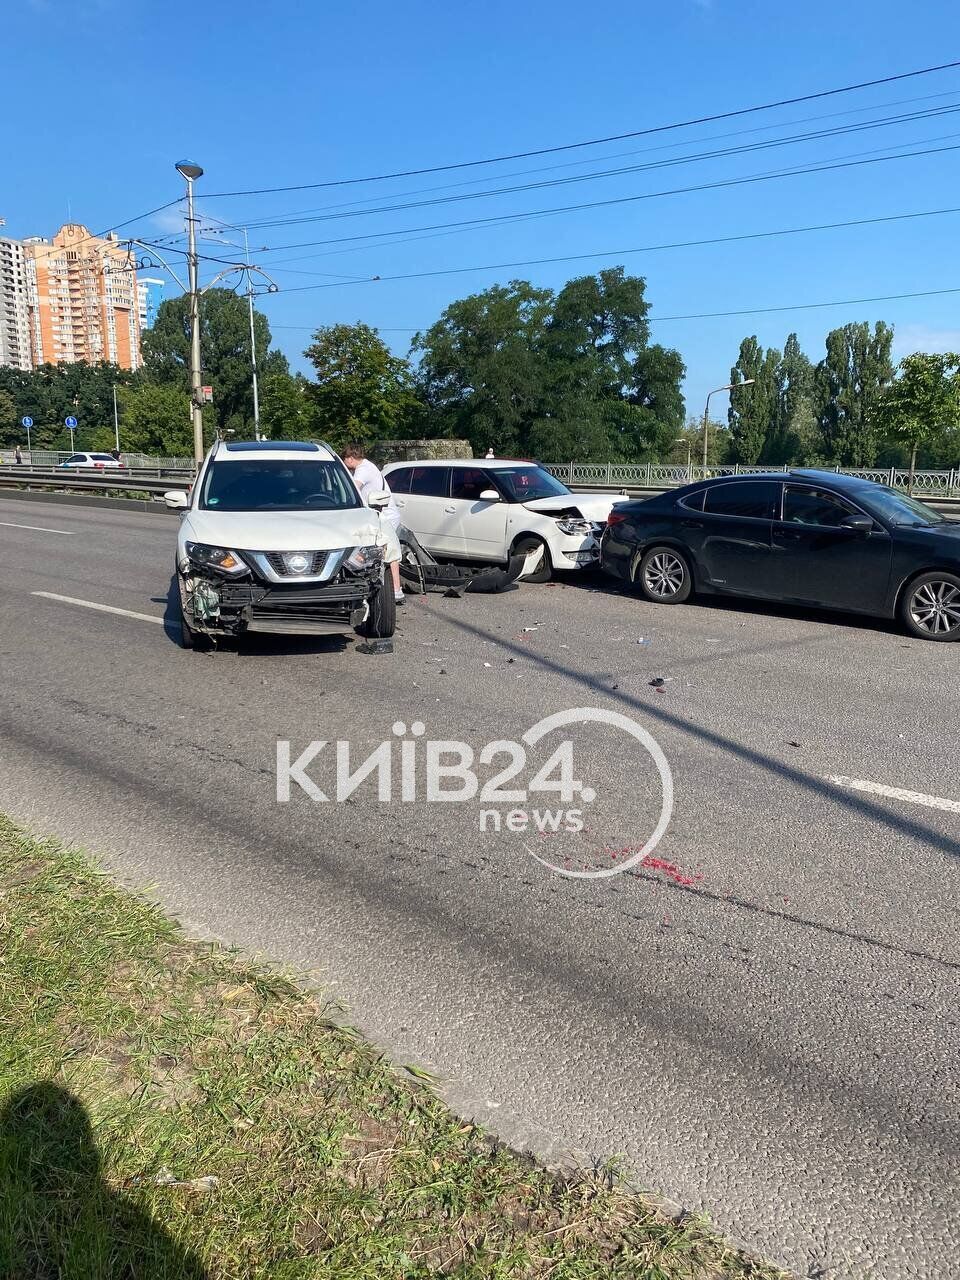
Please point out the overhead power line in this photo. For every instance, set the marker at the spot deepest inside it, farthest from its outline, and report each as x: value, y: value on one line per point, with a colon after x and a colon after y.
x: 599, y: 204
x: 766, y: 144
x: 614, y: 253
x: 805, y: 306
x: 593, y: 142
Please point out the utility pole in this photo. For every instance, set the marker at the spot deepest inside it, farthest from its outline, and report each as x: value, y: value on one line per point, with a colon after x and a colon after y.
x: 190, y: 172
x: 253, y: 340
x: 116, y: 419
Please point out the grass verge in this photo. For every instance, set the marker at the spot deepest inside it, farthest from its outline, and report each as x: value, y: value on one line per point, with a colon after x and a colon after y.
x: 170, y: 1111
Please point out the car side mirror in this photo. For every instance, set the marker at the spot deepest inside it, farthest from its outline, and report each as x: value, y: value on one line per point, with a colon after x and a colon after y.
x: 858, y: 524
x: 176, y: 499
x: 489, y: 495
x: 379, y: 499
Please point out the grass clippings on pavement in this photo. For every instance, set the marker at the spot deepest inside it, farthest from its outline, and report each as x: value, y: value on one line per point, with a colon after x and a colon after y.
x: 171, y: 1111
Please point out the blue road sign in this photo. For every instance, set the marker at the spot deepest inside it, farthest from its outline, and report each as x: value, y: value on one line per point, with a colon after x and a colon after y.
x: 26, y: 422
x: 70, y: 422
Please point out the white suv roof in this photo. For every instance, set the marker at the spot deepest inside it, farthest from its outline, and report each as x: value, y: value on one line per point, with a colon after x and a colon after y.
x: 278, y: 450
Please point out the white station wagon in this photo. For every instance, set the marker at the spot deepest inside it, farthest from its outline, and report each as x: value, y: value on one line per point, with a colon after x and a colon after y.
x: 490, y: 509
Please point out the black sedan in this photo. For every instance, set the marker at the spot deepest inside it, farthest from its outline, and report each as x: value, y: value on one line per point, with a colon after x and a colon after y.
x: 809, y: 537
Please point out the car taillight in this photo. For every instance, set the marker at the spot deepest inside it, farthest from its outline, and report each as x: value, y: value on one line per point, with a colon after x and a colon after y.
x: 616, y: 517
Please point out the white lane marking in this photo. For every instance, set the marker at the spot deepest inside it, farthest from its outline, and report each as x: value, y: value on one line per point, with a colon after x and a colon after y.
x: 101, y: 608
x: 37, y: 528
x: 896, y: 793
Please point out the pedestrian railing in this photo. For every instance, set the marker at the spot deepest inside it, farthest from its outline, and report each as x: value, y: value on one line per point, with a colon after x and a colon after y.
x: 136, y: 461
x: 945, y: 484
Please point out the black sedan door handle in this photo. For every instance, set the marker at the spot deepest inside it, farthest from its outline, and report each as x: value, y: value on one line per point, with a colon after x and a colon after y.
x: 788, y: 535
x: 692, y: 524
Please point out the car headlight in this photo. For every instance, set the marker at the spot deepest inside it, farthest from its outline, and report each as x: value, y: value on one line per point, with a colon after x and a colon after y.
x: 583, y: 528
x: 364, y: 557
x: 217, y: 558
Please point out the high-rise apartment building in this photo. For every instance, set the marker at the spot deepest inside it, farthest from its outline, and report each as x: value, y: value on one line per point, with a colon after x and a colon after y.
x: 14, y: 309
x: 150, y: 295
x: 83, y: 299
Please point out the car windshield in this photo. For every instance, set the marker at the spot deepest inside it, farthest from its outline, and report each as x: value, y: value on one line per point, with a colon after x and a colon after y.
x: 278, y: 485
x: 898, y: 508
x: 524, y: 483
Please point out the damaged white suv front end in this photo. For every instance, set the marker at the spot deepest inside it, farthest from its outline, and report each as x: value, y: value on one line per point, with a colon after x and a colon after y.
x: 275, y: 538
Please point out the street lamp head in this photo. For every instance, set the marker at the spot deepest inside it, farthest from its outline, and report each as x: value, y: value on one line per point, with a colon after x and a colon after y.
x: 747, y: 382
x: 189, y: 170
x: 273, y: 288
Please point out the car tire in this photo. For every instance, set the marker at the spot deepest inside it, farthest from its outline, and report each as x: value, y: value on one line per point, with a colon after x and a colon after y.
x: 381, y: 621
x: 524, y: 547
x: 929, y: 606
x: 663, y: 576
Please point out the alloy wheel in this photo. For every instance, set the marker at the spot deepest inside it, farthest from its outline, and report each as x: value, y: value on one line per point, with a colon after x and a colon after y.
x: 935, y: 608
x: 664, y: 575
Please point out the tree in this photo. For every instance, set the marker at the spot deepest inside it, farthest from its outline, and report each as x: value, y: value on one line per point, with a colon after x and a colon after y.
x: 363, y: 391
x: 224, y: 350
x: 797, y: 435
x: 554, y: 376
x: 754, y: 412
x: 850, y: 381
x: 607, y: 390
x: 155, y: 419
x: 923, y: 403
x: 481, y: 373
x: 286, y: 410
x: 10, y: 429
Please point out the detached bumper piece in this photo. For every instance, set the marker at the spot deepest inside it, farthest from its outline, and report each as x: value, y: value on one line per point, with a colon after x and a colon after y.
x: 422, y: 573
x: 325, y: 610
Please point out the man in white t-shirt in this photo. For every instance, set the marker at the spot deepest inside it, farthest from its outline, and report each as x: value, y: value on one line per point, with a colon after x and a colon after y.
x: 369, y: 479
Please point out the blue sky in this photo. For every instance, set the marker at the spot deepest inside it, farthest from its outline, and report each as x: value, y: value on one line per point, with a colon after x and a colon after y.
x: 110, y: 93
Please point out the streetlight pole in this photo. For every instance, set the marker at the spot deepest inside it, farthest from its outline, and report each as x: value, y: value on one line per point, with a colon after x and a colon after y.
x: 190, y: 172
x: 730, y: 386
x: 116, y: 419
x: 253, y: 340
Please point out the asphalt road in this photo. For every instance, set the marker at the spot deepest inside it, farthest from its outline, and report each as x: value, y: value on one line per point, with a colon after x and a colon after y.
x: 762, y: 1025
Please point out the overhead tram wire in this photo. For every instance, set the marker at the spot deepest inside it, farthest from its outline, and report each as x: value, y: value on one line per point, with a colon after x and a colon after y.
x: 672, y: 162
x: 594, y: 142
x: 617, y: 155
x: 613, y: 253
x: 505, y: 218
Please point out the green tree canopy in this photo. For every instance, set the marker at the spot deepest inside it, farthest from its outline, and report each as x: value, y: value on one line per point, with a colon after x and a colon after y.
x: 524, y: 370
x: 922, y: 404
x: 224, y: 352
x: 850, y: 382
x: 286, y: 408
x: 754, y: 413
x: 363, y: 391
x: 155, y: 419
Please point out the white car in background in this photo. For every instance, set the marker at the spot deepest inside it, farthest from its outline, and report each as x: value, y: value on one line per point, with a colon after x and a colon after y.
x: 490, y: 509
x: 95, y: 460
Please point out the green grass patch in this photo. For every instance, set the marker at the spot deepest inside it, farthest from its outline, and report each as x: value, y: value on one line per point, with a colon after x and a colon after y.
x: 169, y: 1110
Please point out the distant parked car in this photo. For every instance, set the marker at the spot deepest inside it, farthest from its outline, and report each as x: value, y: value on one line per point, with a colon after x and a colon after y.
x: 490, y: 509
x: 810, y: 538
x: 96, y: 460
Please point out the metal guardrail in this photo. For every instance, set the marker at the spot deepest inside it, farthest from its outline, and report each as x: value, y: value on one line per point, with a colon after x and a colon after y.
x: 37, y: 459
x: 84, y: 481
x: 652, y: 475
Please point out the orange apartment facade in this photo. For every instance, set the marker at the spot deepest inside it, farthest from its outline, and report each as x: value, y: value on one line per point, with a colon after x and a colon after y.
x: 83, y: 299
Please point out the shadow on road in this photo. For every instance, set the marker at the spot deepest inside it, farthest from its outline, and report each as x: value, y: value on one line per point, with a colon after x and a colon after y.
x: 60, y: 1217
x: 820, y: 787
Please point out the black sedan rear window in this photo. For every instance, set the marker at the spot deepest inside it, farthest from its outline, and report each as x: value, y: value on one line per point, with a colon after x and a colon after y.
x: 753, y: 499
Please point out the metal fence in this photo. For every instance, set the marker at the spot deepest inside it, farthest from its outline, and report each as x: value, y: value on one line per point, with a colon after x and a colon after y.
x: 136, y: 461
x: 944, y: 484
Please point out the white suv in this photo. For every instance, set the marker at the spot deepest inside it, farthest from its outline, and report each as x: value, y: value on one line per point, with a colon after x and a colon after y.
x: 275, y: 537
x: 491, y: 509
